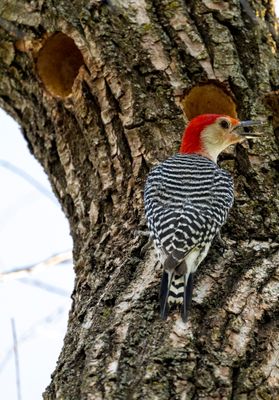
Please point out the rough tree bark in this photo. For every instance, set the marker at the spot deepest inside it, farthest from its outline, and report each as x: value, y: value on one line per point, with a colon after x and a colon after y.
x: 101, y: 91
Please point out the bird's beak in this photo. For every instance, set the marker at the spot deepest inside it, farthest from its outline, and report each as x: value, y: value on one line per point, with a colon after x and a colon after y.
x: 244, y: 124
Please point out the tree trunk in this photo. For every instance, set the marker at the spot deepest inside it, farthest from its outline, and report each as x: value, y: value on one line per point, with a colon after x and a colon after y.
x: 102, y: 90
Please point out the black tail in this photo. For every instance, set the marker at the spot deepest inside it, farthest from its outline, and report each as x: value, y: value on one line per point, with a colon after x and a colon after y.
x: 176, y: 289
x: 187, y: 296
x: 166, y: 282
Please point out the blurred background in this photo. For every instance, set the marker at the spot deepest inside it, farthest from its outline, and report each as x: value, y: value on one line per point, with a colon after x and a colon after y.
x: 36, y: 273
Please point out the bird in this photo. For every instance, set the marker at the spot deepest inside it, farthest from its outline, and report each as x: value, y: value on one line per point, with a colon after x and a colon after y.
x: 187, y: 199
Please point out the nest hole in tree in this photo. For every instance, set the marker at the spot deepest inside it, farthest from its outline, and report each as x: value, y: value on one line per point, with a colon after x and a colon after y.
x: 208, y: 98
x: 58, y: 64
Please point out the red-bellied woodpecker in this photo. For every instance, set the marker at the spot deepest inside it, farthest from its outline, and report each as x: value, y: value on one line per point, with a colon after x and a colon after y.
x: 187, y: 199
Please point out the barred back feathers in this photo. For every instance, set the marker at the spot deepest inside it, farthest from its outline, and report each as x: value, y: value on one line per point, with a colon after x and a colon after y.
x: 187, y: 198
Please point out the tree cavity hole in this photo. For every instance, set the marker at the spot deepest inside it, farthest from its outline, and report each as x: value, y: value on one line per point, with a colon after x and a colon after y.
x: 208, y: 98
x: 58, y: 64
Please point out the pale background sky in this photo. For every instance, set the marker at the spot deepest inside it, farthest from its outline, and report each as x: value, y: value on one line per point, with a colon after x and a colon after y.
x: 32, y: 228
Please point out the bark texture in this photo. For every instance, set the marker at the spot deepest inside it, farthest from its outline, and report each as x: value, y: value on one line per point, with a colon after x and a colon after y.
x: 97, y: 87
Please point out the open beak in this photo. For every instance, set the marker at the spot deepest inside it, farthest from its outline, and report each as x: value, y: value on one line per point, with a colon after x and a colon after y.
x: 244, y: 124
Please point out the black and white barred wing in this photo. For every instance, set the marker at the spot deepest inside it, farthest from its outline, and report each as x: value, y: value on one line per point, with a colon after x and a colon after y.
x: 187, y: 199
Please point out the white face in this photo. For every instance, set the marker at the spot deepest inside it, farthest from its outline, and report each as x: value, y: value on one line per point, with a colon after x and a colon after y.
x: 218, y: 136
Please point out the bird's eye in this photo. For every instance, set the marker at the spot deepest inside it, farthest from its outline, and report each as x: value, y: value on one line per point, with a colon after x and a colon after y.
x: 224, y: 124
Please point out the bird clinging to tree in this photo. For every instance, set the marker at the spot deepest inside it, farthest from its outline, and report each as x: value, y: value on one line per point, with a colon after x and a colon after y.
x: 187, y: 199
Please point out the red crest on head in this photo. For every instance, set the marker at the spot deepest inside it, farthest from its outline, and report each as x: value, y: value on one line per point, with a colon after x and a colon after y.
x: 191, y: 142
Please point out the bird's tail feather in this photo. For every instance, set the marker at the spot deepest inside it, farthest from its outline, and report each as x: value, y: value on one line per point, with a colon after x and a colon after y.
x: 187, y: 296
x: 176, y: 289
x: 166, y: 283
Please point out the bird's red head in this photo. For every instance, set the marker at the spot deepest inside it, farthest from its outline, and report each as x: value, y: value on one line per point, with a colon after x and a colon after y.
x: 209, y: 134
x: 192, y: 139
